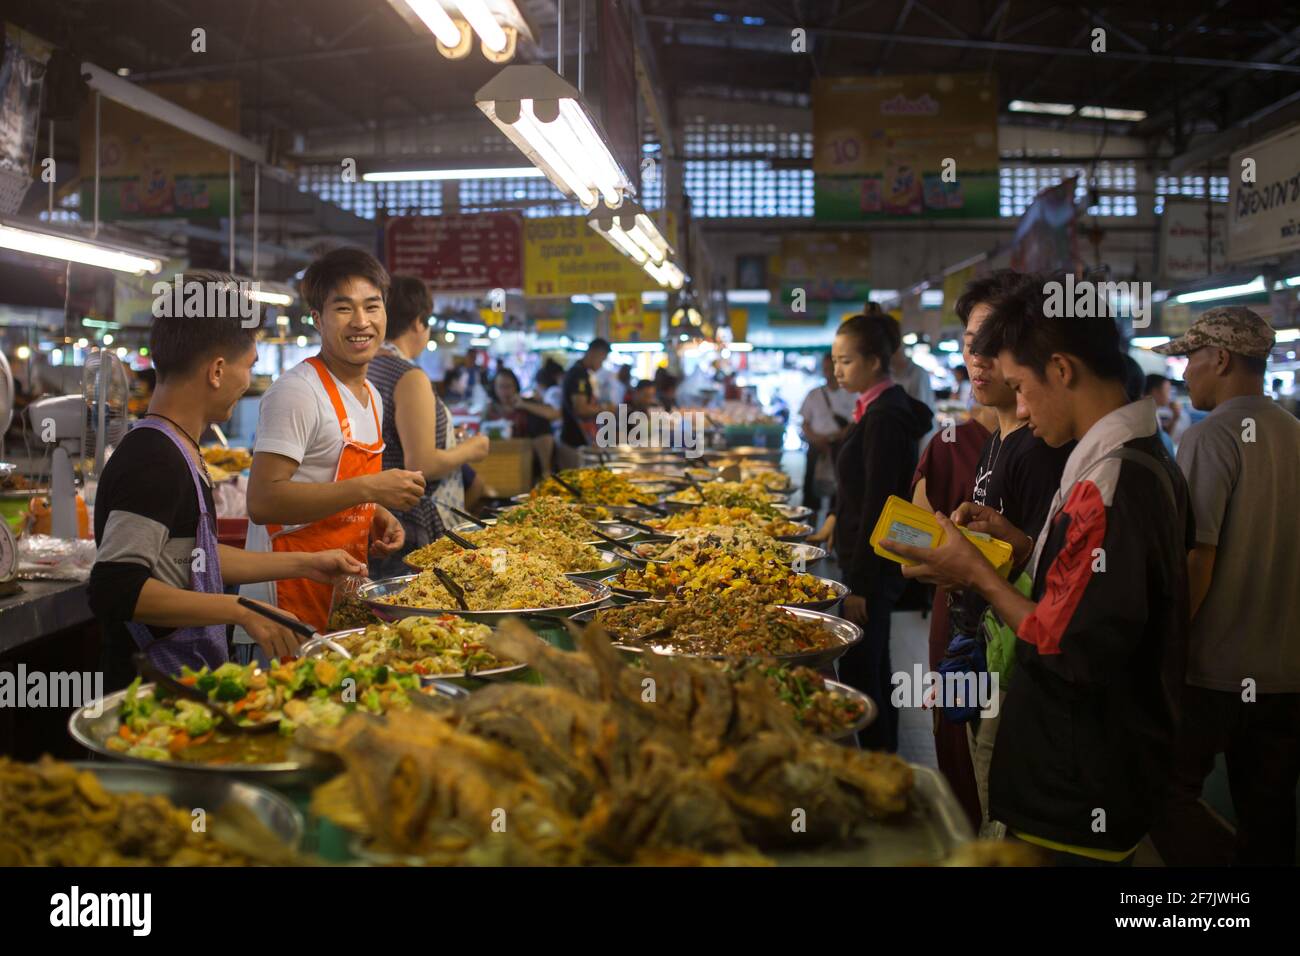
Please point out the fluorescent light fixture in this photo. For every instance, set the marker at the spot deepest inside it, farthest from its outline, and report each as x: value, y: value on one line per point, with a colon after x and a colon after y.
x: 439, y: 22
x: 1293, y: 281
x: 469, y: 328
x: 1224, y: 292
x: 949, y: 345
x: 668, y: 275
x: 442, y: 175
x: 741, y: 347
x: 1287, y: 335
x: 480, y: 342
x: 1148, y: 341
x: 53, y: 245
x: 1110, y: 113
x: 882, y: 295
x: 485, y: 25
x: 137, y: 98
x: 631, y: 230
x: 931, y: 298
x: 749, y: 296
x: 99, y: 324
x: 636, y: 347
x: 546, y: 118
x: 271, y: 297
x: 1051, y: 109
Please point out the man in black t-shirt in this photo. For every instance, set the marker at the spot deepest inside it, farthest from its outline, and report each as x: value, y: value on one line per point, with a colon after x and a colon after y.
x: 579, y: 405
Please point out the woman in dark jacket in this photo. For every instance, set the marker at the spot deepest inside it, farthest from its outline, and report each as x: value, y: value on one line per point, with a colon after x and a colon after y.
x: 876, y: 460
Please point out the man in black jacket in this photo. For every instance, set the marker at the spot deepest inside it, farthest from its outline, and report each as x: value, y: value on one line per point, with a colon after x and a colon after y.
x: 1083, y: 753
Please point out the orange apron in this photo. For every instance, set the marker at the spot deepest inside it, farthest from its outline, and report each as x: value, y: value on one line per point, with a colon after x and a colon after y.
x: 348, y: 530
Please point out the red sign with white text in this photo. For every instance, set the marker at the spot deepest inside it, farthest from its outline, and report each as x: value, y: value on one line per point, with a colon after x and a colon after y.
x: 458, y: 253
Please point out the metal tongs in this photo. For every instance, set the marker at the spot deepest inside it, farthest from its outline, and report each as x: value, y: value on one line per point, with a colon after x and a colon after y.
x: 615, y: 543
x: 567, y: 487
x: 463, y: 542
x: 228, y: 721
x: 467, y: 516
x: 454, y: 589
x: 314, y: 643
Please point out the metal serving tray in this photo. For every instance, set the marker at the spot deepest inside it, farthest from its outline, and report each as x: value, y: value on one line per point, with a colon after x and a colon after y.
x: 92, y: 732
x: 842, y: 635
x: 933, y: 828
x: 212, y: 792
x: 369, y: 596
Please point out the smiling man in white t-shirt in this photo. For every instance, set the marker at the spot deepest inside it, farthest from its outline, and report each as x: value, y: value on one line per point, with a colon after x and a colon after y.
x: 316, y: 481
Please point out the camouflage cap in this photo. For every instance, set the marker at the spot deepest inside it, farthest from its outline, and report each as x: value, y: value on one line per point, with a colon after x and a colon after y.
x: 1232, y: 327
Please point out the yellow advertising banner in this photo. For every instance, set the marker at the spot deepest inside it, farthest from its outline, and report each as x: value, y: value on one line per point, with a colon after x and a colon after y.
x: 149, y: 169
x: 953, y: 285
x: 904, y: 146
x: 565, y: 256
x: 738, y: 322
x: 630, y: 321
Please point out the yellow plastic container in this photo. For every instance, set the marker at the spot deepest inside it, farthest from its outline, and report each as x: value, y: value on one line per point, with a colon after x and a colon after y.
x: 905, y: 523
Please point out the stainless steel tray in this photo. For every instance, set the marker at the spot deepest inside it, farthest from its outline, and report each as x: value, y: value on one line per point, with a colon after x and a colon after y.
x: 801, y: 531
x: 613, y: 564
x: 211, y: 792
x: 809, y: 552
x: 928, y: 833
x: 869, y: 710
x: 433, y: 679
x: 776, y: 500
x: 618, y: 530
x: 825, y: 604
x: 843, y: 635
x: 370, y: 593
x: 91, y: 731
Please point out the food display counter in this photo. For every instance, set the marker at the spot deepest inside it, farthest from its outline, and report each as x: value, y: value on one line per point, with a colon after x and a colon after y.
x: 635, y: 666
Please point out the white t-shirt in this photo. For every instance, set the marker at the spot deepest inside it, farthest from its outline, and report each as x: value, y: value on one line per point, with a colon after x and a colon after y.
x: 819, y: 416
x: 296, y: 419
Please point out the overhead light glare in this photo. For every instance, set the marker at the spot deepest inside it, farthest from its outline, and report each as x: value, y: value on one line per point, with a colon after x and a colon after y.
x: 1224, y: 292
x: 1051, y: 109
x: 71, y: 249
x: 443, y: 175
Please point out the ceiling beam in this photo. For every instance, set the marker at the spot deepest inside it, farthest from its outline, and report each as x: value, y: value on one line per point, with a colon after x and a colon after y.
x: 889, y: 41
x: 1037, y: 49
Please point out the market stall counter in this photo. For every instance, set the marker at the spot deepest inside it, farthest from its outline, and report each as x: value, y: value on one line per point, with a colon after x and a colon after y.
x: 46, y: 629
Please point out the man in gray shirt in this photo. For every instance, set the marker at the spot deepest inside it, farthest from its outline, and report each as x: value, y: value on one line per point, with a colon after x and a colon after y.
x: 1243, y: 670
